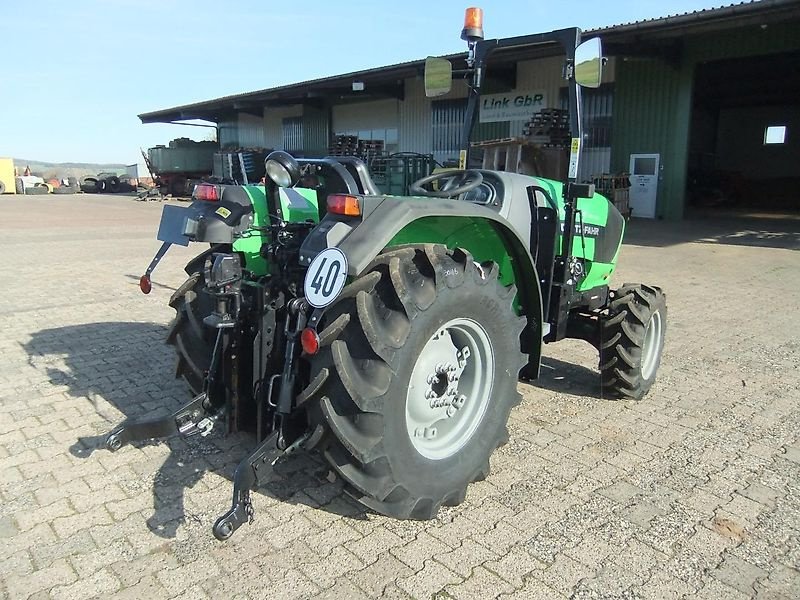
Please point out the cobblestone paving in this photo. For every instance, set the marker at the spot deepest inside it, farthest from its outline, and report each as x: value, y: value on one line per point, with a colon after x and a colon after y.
x: 693, y: 492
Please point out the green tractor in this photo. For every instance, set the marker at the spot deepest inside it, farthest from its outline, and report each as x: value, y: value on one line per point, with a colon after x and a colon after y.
x: 388, y: 333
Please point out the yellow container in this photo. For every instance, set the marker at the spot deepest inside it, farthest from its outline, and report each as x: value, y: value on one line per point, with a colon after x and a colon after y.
x: 7, y: 175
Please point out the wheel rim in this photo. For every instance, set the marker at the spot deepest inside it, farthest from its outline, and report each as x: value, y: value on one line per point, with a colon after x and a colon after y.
x: 449, y: 389
x: 650, y: 350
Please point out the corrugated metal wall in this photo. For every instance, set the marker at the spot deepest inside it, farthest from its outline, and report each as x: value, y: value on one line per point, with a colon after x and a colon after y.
x: 543, y: 74
x: 273, y: 124
x: 652, y: 108
x: 378, y: 114
x: 447, y: 124
x: 750, y: 41
x: 412, y: 116
x: 228, y: 133
x: 251, y: 131
x: 597, y: 112
x: 293, y: 134
x: 415, y: 118
x: 653, y: 103
x: 446, y: 115
x: 316, y: 131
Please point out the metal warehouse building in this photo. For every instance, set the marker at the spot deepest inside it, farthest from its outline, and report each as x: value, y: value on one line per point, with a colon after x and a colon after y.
x: 702, y: 108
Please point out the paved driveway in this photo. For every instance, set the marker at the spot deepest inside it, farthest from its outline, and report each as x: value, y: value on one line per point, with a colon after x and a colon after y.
x: 693, y: 492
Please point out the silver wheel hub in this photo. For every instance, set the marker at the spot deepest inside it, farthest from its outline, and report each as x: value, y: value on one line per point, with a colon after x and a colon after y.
x: 450, y: 388
x: 650, y: 348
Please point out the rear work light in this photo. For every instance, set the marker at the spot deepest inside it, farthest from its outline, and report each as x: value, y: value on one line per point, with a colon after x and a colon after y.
x: 206, y: 191
x: 343, y: 204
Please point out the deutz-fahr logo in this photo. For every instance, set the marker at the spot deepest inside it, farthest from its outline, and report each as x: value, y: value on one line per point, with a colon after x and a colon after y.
x: 588, y: 230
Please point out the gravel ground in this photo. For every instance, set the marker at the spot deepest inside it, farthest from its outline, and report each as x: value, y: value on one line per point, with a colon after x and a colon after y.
x: 693, y: 492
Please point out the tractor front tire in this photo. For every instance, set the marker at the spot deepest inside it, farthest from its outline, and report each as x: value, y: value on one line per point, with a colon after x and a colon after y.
x: 193, y: 341
x: 415, y: 379
x: 632, y: 340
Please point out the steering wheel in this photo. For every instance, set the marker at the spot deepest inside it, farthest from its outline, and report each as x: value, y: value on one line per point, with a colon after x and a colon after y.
x: 458, y: 182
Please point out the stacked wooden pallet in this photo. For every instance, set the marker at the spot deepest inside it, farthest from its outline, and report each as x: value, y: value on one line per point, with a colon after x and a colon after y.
x: 351, y: 145
x: 549, y: 128
x: 344, y: 145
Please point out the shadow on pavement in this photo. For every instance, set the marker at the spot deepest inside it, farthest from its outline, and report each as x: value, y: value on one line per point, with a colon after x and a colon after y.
x: 128, y: 366
x: 725, y: 229
x: 567, y: 378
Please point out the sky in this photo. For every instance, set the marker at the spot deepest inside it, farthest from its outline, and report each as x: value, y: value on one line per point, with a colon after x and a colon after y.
x: 77, y: 72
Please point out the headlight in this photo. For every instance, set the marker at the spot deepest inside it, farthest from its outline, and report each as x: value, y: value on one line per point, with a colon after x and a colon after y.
x: 282, y: 168
x: 223, y: 272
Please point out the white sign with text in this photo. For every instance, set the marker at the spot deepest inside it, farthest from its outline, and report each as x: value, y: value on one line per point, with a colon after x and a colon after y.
x: 511, y: 106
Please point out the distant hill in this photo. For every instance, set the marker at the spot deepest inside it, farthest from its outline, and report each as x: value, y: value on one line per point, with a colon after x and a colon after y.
x: 49, y: 170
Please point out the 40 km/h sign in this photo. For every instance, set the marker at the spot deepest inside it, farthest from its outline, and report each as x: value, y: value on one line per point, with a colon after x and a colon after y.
x: 325, y: 277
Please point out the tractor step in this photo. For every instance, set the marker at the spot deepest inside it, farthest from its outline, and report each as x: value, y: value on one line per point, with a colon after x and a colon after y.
x: 196, y: 417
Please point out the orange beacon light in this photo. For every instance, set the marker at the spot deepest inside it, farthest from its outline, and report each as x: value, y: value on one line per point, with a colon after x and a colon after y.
x: 473, y: 25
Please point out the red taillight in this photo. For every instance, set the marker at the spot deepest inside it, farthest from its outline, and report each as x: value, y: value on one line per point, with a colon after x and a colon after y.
x: 144, y: 284
x: 342, y: 204
x: 309, y: 339
x: 206, y: 191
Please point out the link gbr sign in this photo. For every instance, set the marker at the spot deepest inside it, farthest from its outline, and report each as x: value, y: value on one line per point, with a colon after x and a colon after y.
x: 511, y: 106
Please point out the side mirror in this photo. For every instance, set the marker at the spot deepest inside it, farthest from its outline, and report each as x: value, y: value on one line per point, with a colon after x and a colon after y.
x: 438, y: 76
x: 589, y: 63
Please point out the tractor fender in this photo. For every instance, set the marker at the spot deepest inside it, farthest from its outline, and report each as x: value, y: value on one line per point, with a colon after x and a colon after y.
x: 363, y: 238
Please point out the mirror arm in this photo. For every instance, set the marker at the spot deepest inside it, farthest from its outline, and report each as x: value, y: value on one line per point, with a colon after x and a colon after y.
x: 570, y: 39
x: 479, y: 52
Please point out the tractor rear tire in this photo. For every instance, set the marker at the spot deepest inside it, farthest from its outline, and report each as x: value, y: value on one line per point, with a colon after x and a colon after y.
x: 632, y: 340
x: 193, y: 341
x: 410, y: 418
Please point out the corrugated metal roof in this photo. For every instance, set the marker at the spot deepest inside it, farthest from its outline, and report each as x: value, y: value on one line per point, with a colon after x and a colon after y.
x: 300, y: 91
x: 691, y: 15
